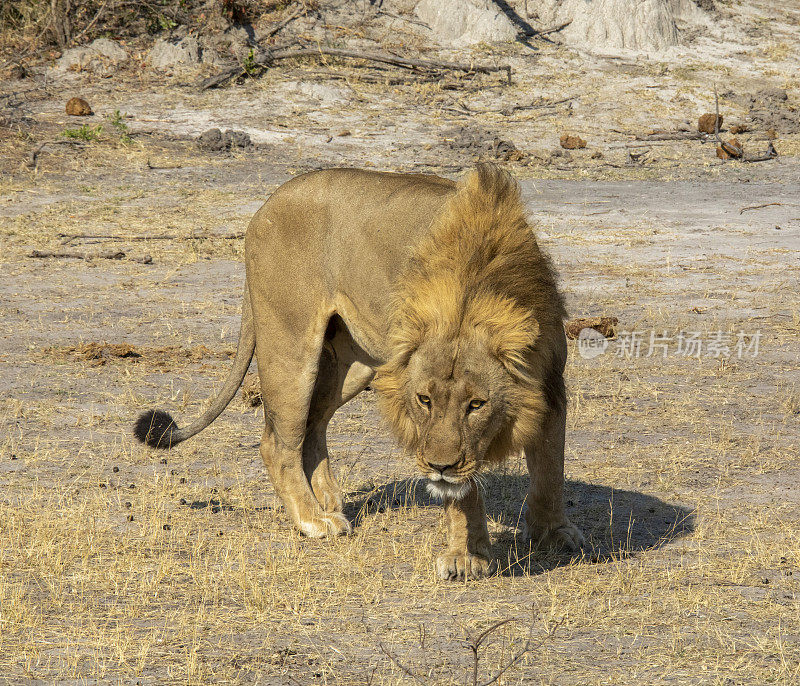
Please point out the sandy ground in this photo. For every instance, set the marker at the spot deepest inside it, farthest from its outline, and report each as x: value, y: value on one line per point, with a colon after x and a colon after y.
x: 119, y: 564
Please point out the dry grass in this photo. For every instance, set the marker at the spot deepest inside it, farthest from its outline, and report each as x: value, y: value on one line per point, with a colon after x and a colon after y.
x: 682, y: 473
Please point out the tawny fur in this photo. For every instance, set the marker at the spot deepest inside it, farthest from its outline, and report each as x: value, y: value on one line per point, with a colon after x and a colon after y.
x: 323, y: 256
x: 479, y: 272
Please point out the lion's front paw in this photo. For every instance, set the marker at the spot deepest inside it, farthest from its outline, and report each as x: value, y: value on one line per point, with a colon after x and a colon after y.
x: 329, y: 524
x: 565, y: 536
x: 459, y: 565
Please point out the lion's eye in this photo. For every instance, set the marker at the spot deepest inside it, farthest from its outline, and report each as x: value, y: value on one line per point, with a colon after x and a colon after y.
x: 476, y: 404
x: 424, y: 399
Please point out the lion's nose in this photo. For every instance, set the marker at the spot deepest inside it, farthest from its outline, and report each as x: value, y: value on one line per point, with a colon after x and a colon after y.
x: 439, y: 467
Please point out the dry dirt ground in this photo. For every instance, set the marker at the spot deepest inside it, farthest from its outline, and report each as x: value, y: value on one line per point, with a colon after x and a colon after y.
x: 119, y: 564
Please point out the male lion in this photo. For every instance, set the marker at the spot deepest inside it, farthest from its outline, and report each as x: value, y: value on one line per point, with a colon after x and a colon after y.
x: 436, y: 293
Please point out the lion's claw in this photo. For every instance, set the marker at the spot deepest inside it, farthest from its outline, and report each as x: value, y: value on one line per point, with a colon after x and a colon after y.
x: 454, y: 566
x: 329, y: 524
x: 565, y: 536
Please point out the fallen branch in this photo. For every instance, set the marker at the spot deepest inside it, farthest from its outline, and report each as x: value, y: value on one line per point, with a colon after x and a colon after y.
x: 166, y: 166
x: 163, y: 237
x: 737, y: 152
x: 671, y: 136
x: 74, y: 40
x: 109, y: 255
x: 506, y: 111
x: 32, y: 159
x: 399, y: 664
x: 552, y: 29
x: 268, y: 58
x: 758, y: 207
x: 407, y: 19
x: 299, y: 12
x: 769, y: 154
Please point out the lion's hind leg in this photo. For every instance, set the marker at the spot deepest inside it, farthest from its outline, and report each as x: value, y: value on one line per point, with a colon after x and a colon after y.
x: 288, y: 378
x: 340, y: 377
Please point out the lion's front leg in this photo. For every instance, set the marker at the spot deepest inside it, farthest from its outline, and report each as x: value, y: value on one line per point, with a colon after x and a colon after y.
x: 545, y: 522
x: 468, y: 547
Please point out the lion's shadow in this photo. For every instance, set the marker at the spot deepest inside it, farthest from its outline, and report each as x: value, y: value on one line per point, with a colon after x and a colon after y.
x: 616, y: 523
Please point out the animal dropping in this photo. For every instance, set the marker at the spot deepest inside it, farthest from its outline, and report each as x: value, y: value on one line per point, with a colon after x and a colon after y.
x: 569, y: 142
x: 78, y: 107
x: 709, y: 123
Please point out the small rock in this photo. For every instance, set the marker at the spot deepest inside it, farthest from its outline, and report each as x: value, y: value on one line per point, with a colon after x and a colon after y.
x: 128, y: 504
x: 130, y: 517
x: 559, y: 154
x: 596, y: 155
x: 772, y: 134
x: 708, y: 123
x: 166, y: 527
x: 739, y: 128
x: 569, y: 142
x: 78, y: 107
x: 215, y: 140
x: 606, y: 326
x: 115, y: 470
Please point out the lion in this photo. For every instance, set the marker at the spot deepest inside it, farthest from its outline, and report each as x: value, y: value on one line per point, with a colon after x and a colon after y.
x: 437, y: 294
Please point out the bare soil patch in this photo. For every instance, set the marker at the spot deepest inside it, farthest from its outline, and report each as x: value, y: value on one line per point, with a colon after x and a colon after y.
x: 122, y: 564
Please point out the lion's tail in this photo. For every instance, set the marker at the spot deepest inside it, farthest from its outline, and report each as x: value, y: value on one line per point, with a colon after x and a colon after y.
x: 157, y: 429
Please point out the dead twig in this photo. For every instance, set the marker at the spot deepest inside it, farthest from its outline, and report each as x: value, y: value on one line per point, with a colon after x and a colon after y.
x: 758, y: 207
x: 88, y: 27
x: 737, y: 152
x: 109, y: 255
x: 166, y: 166
x: 268, y: 58
x: 34, y: 156
x: 399, y: 664
x: 552, y: 29
x: 163, y: 237
x: 716, y: 112
x: 671, y: 136
x: 541, y: 105
x: 769, y: 154
x: 529, y: 645
x: 506, y: 111
x: 299, y: 12
x: 408, y: 19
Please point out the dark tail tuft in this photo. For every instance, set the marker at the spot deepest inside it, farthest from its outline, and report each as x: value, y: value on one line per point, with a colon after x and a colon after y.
x: 155, y: 428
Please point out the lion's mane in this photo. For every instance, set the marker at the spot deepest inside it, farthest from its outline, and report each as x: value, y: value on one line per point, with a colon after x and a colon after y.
x: 480, y: 270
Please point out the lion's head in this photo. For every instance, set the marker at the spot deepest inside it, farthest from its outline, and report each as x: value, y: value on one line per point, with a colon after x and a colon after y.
x: 473, y: 337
